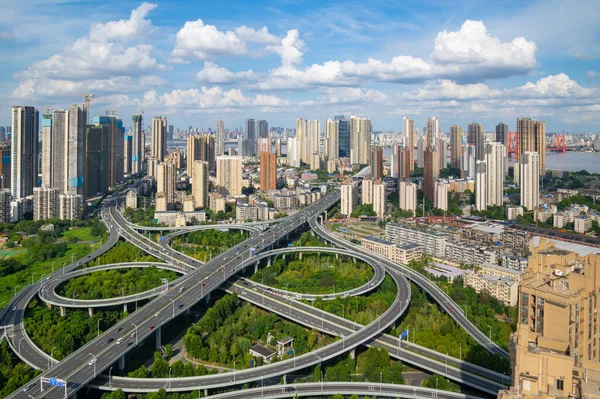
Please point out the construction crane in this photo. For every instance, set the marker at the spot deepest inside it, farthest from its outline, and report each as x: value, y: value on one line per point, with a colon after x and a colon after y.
x: 86, y: 103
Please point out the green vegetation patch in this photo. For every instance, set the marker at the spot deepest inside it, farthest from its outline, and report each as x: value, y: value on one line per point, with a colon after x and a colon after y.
x: 13, y: 373
x: 205, y: 244
x: 226, y: 332
x: 48, y: 329
x: 122, y: 251
x: 115, y: 283
x: 315, y: 273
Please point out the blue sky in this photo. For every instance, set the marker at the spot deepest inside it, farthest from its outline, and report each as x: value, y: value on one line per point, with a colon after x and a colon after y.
x: 197, y: 61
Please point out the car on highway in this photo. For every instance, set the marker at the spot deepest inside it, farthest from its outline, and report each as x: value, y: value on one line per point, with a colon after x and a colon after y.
x: 151, y: 328
x: 132, y: 334
x: 28, y: 387
x: 108, y: 341
x: 156, y: 314
x: 181, y: 289
x: 120, y: 340
x: 180, y: 305
x: 92, y: 362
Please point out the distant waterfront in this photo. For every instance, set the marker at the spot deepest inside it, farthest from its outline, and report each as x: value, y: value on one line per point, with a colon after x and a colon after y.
x: 574, y: 161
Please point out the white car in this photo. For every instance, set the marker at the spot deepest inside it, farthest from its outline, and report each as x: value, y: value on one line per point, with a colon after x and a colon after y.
x: 156, y: 314
x: 92, y: 362
x: 120, y: 340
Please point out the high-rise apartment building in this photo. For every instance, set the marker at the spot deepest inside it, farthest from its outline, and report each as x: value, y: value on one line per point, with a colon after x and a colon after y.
x: 408, y: 128
x: 400, y: 162
x: 529, y: 179
x: 502, y: 133
x: 264, y: 145
x: 332, y: 139
x: 45, y: 203
x: 495, y: 157
x: 229, y: 175
x: 268, y: 171
x: 70, y: 206
x: 127, y: 153
x: 360, y: 140
x: 137, y: 144
x: 421, y: 151
x: 440, y: 200
x: 24, y: 150
x: 200, y: 184
x: 476, y: 137
x: 555, y: 351
x: 220, y: 139
x: 481, y: 186
x: 112, y: 128
x: 293, y: 152
x: 377, y: 163
x: 201, y: 148
x: 46, y: 151
x: 75, y: 150
x: 5, y: 164
x: 468, y: 161
x: 159, y: 137
x: 407, y: 193
x: 531, y: 136
x: 166, y: 181
x: 5, y: 200
x: 433, y: 131
x: 456, y: 144
x: 431, y: 172
x: 379, y: 198
x: 349, y: 197
x: 367, y: 191
x: 97, y: 150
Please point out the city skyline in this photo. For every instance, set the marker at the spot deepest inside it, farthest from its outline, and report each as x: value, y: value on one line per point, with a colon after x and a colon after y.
x: 479, y: 64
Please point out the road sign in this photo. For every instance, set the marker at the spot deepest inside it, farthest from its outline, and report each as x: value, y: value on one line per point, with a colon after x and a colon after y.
x: 252, y: 251
x: 404, y: 334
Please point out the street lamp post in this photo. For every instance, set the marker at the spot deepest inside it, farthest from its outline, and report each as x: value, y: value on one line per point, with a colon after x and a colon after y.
x: 294, y: 357
x: 136, y: 334
x: 173, y: 302
x: 74, y: 292
x: 20, y: 344
x: 15, y: 293
x: 446, y: 362
x: 169, y: 377
x: 380, y: 381
x: 53, y: 266
x: 460, y: 347
x: 32, y: 276
x: 98, y: 323
x: 234, y: 372
x: 490, y: 327
x: 109, y: 377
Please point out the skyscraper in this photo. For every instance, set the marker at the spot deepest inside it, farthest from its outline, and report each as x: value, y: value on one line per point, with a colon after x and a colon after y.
x: 343, y: 136
x: 201, y: 148
x: 301, y: 139
x: 409, y: 131
x: 407, y: 193
x: 476, y: 137
x: 403, y: 157
x: 159, y: 137
x: 379, y: 198
x: 360, y: 140
x: 268, y: 171
x: 293, y: 152
x: 433, y: 131
x: 432, y: 172
x: 220, y: 139
x: 46, y: 152
x: 229, y: 175
x: 262, y: 129
x: 480, y: 185
x: 137, y: 144
x: 112, y: 128
x: 421, y: 145
x: 529, y: 179
x: 495, y: 157
x: 127, y: 153
x: 456, y: 134
x: 200, y: 184
x: 377, y: 163
x: 97, y: 149
x: 166, y: 180
x: 250, y: 132
x: 45, y: 203
x: 502, y: 134
x: 349, y: 197
x: 532, y: 138
x: 75, y: 152
x: 332, y: 139
x: 367, y: 191
x: 24, y: 150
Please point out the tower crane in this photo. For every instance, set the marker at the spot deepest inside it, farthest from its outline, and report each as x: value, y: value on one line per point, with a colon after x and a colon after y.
x: 86, y: 103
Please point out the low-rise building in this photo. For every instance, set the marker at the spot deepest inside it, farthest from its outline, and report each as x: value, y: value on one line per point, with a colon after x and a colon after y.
x: 545, y: 212
x: 131, y: 200
x: 503, y: 289
x: 263, y: 352
x: 514, y: 262
x: 216, y: 202
x: 438, y: 270
x: 432, y: 241
x: 559, y: 220
x: 464, y: 253
x: 512, y: 211
x: 170, y: 218
x: 402, y: 254
x: 500, y: 271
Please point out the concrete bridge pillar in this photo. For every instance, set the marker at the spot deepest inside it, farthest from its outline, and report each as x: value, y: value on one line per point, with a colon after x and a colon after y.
x: 49, y: 305
x: 122, y: 363
x: 158, y: 337
x: 124, y: 308
x: 283, y: 256
x: 256, y: 267
x: 354, y: 259
x: 63, y: 311
x: 337, y: 256
x: 353, y: 354
x: 300, y: 255
x: 91, y: 312
x: 269, y: 262
x: 207, y: 299
x: 284, y: 379
x: 205, y: 392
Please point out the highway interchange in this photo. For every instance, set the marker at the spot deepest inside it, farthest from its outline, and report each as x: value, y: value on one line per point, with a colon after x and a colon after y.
x: 198, y: 281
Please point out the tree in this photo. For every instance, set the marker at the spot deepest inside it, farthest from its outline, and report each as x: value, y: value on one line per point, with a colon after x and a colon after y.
x: 363, y: 209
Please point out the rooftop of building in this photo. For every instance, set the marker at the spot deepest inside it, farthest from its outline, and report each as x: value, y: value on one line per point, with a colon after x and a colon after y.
x: 579, y: 249
x: 377, y: 239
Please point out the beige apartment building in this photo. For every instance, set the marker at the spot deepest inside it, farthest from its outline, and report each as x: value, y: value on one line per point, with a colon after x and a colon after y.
x: 396, y: 253
x: 555, y: 350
